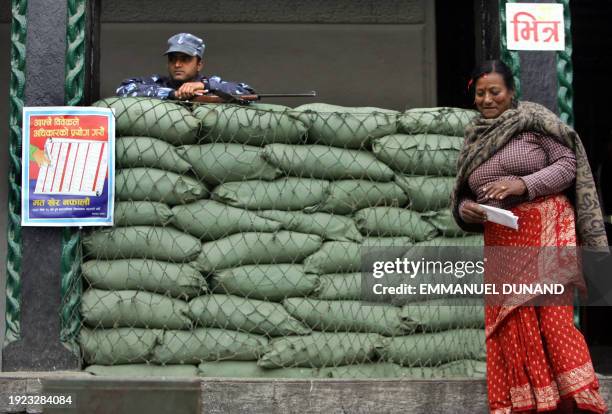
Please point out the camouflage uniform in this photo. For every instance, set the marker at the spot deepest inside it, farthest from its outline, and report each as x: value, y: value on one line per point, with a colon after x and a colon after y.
x: 160, y: 86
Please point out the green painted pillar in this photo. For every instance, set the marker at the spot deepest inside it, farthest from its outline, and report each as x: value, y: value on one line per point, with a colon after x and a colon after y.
x: 48, y: 68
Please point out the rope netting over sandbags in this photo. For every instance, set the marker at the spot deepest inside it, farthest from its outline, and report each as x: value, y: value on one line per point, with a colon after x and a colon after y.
x: 238, y: 236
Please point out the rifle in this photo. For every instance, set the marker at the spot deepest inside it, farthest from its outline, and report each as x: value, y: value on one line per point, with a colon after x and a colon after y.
x: 217, y: 96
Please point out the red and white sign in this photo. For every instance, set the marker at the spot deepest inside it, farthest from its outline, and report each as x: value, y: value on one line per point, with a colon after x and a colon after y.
x: 76, y: 167
x: 535, y: 26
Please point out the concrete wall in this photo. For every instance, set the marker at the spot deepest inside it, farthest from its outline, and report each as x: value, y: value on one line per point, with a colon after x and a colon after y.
x: 389, y: 66
x: 265, y: 11
x: 352, y: 52
x: 255, y: 396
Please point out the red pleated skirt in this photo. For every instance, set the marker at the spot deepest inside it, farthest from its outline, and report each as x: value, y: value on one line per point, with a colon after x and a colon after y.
x: 537, y: 360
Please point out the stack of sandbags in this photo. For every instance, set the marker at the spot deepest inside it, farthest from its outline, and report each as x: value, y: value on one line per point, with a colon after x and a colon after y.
x: 423, y: 155
x: 238, y: 242
x: 147, y: 290
x: 139, y: 273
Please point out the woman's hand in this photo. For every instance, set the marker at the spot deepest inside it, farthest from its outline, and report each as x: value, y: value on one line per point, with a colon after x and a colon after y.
x: 471, y: 212
x: 504, y: 188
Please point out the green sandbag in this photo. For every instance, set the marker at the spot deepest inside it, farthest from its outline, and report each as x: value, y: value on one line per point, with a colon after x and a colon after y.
x: 476, y: 240
x: 345, y: 127
x: 269, y: 107
x: 426, y: 193
x: 151, y: 117
x: 143, y: 370
x: 347, y: 196
x: 281, y: 194
x: 428, y: 349
x: 249, y: 369
x: 247, y: 315
x: 256, y: 248
x: 328, y: 226
x: 207, y: 344
x: 334, y: 257
x: 444, y: 221
x: 141, y: 213
x: 154, y: 276
x: 149, y: 152
x: 457, y: 369
x: 211, y: 220
x: 320, y: 349
x: 394, y: 222
x: 345, y: 257
x: 419, y: 154
x: 448, y: 313
x: 246, y: 125
x: 337, y: 286
x: 118, y: 346
x: 379, y: 242
x: 218, y: 163
x: 443, y: 120
x: 273, y: 282
x: 133, y: 308
x: 363, y: 371
x: 469, y: 368
x: 149, y: 184
x: 144, y: 242
x: 328, y: 163
x: 351, y: 316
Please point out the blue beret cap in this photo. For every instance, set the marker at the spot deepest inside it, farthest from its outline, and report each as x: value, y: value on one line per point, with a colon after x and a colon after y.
x: 186, y: 43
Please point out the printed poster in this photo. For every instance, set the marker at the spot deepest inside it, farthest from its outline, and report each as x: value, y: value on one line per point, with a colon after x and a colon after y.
x: 68, y: 166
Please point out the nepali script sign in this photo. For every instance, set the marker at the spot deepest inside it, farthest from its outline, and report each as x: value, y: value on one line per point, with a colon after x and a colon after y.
x: 535, y: 26
x: 68, y: 166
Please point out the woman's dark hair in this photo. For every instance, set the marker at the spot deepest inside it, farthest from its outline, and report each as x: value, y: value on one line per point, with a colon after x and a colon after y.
x: 491, y: 66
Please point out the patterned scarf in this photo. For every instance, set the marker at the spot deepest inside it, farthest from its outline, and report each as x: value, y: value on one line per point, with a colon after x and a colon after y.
x: 484, y: 137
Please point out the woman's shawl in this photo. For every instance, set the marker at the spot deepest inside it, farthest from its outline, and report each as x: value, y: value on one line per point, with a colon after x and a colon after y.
x: 484, y: 137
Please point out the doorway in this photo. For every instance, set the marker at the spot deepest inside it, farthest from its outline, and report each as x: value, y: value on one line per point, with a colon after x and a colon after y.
x: 455, y: 52
x: 592, y: 42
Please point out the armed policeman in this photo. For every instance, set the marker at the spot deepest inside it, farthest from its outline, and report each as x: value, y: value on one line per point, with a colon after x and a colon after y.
x: 184, y: 81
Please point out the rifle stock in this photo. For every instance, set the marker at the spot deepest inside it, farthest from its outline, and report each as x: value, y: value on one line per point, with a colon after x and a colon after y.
x: 223, y: 97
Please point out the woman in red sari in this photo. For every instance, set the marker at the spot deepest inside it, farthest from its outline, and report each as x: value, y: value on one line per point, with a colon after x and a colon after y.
x: 519, y: 156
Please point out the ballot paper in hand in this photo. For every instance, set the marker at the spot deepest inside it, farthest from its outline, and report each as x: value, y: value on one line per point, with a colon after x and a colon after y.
x: 501, y: 216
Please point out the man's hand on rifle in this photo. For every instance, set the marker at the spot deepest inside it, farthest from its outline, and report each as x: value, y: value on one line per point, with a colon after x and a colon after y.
x: 190, y: 89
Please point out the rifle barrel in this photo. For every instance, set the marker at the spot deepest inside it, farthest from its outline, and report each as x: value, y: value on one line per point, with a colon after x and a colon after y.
x: 224, y: 97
